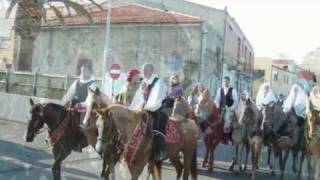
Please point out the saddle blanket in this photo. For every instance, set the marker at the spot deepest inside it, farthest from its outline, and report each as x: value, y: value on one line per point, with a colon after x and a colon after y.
x: 172, y: 136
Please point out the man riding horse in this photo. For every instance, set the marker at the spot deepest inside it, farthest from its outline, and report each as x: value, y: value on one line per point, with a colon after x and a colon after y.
x: 265, y: 95
x: 226, y: 100
x: 79, y: 88
x: 296, y: 103
x: 78, y: 91
x: 149, y: 97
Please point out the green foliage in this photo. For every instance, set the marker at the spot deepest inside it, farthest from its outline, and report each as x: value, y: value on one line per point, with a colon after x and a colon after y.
x: 78, y: 8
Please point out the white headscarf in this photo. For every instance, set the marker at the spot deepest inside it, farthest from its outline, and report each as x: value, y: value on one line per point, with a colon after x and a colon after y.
x: 263, y: 97
x: 297, y: 101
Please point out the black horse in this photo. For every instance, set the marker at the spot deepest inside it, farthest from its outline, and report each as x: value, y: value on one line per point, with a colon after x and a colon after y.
x: 65, y: 134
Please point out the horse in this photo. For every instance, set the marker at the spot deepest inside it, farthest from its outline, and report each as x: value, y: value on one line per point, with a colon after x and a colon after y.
x: 125, y: 121
x: 250, y: 119
x: 313, y: 132
x: 63, y: 129
x: 213, y: 126
x: 279, y: 133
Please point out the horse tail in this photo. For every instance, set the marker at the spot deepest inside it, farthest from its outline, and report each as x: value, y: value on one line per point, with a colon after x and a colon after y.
x: 194, y: 170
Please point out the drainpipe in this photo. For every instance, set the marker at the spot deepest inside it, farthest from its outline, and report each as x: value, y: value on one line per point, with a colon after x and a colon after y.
x: 204, y: 33
x: 224, y: 40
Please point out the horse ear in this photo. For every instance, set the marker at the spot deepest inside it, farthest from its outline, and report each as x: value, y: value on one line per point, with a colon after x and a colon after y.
x: 41, y: 110
x: 248, y: 101
x: 31, y: 102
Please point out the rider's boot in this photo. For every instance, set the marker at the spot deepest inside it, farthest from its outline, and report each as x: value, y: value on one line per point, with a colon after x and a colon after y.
x: 159, y: 148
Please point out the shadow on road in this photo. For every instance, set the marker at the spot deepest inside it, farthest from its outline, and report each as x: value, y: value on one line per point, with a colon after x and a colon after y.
x: 20, y: 162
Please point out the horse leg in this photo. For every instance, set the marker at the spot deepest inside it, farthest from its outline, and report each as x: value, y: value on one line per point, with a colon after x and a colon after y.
x: 236, y: 160
x: 301, y: 163
x: 247, y: 146
x: 193, y: 169
x: 178, y: 166
x: 211, y: 155
x: 294, y: 159
x: 253, y: 151
x: 104, y: 165
x: 284, y: 160
x: 269, y: 161
x: 59, y: 156
x: 205, y: 160
x: 157, y: 170
x: 187, y: 161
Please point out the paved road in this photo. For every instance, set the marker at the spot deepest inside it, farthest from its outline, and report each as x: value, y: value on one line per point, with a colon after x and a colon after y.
x: 32, y: 161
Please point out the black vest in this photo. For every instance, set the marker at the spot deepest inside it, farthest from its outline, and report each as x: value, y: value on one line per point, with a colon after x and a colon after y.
x: 226, y: 99
x: 82, y: 90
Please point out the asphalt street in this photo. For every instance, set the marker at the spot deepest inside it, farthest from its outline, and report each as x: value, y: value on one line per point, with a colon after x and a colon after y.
x: 32, y: 161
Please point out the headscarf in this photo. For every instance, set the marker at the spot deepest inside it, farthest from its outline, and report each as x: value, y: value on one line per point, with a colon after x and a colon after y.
x: 264, y: 98
x: 132, y: 74
x: 296, y: 99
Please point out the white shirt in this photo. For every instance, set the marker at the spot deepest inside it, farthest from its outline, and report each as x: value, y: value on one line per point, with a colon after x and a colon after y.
x: 157, y: 95
x: 225, y: 90
x: 72, y: 89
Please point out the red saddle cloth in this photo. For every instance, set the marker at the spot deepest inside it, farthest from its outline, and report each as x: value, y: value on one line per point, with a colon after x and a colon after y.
x: 172, y: 136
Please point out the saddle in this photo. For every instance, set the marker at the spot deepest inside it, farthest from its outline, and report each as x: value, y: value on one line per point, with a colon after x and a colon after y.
x: 142, y: 129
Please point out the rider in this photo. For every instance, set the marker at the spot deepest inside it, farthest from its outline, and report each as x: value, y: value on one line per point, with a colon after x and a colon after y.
x: 226, y: 99
x: 175, y: 90
x: 79, y: 88
x: 150, y: 96
x: 296, y: 103
x: 193, y: 98
x: 133, y: 82
x: 265, y: 95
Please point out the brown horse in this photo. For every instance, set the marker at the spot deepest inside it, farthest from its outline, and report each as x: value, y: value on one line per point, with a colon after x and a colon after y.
x: 280, y: 134
x: 213, y: 127
x: 125, y: 121
x: 250, y: 119
x: 63, y: 128
x: 313, y: 132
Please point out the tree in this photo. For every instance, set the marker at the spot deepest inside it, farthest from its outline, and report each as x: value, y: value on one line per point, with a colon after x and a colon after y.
x: 312, y: 60
x: 27, y: 24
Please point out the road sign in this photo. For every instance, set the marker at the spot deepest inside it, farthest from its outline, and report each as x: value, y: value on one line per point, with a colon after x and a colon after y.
x: 115, y: 71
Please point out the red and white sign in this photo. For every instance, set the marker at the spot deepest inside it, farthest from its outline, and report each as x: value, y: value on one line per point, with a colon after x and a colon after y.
x: 115, y: 71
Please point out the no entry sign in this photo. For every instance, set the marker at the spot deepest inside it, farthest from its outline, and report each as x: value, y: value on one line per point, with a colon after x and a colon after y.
x: 115, y: 71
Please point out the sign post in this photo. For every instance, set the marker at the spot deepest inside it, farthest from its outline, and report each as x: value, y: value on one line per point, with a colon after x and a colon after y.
x: 107, y: 48
x: 114, y: 74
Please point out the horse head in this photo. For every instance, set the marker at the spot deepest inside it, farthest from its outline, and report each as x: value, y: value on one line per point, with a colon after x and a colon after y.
x: 268, y: 115
x: 180, y: 107
x: 35, y: 120
x: 247, y: 110
x: 95, y: 100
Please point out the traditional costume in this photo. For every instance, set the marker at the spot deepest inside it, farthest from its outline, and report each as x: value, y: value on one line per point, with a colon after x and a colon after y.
x: 265, y: 95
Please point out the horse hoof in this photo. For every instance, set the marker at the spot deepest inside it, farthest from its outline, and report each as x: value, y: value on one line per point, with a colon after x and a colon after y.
x: 272, y: 173
x: 210, y: 169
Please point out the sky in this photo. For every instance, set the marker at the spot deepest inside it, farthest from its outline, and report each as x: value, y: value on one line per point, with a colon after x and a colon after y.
x: 275, y: 28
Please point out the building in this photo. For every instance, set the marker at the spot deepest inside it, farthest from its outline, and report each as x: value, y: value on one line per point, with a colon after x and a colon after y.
x: 281, y: 74
x: 171, y: 41
x: 225, y: 43
x: 6, y: 47
x: 306, y: 78
x: 202, y: 43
